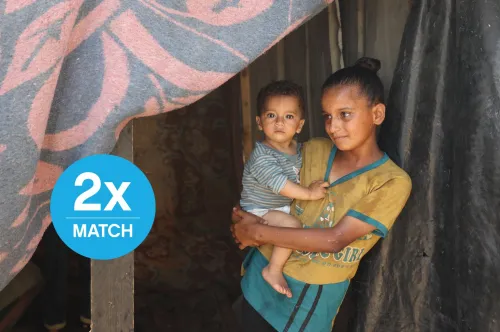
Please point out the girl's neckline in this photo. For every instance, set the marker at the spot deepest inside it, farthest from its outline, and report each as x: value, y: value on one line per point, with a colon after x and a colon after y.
x: 353, y: 174
x: 284, y: 153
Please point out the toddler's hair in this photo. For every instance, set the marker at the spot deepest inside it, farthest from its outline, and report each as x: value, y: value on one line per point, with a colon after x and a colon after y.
x: 280, y: 88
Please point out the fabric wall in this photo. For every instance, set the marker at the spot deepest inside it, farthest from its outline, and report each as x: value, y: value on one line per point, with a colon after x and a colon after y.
x: 381, y: 32
x: 74, y: 72
x: 187, y: 270
x: 438, y: 270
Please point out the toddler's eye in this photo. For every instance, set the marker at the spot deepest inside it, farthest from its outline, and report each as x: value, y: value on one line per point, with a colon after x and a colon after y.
x: 270, y: 115
x: 290, y: 116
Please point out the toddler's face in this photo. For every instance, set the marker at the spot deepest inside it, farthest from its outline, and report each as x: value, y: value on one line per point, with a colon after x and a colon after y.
x: 281, y: 119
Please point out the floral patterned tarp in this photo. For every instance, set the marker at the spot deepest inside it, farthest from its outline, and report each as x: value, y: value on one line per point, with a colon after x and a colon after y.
x: 74, y: 72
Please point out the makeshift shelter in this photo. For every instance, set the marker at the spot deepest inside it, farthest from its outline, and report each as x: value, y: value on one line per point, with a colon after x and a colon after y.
x: 435, y: 272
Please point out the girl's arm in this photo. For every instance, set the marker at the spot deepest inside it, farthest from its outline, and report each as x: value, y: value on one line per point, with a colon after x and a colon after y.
x: 249, y: 231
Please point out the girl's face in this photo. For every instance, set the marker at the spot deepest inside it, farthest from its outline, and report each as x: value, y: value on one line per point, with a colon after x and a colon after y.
x: 350, y: 120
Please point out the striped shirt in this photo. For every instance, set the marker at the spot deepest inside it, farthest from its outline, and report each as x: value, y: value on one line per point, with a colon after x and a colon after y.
x: 265, y: 175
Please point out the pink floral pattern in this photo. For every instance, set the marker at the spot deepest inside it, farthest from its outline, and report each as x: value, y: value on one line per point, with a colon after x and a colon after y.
x: 73, y: 73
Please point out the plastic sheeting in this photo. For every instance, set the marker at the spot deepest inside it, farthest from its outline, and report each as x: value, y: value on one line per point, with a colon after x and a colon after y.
x: 440, y: 268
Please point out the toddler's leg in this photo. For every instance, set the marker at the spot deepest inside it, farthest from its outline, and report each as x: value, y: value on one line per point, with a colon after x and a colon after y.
x: 273, y: 273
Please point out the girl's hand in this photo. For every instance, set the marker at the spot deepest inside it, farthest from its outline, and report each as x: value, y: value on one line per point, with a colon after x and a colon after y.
x: 244, y: 228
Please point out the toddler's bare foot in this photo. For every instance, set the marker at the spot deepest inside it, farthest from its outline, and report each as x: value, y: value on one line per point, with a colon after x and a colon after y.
x: 277, y: 281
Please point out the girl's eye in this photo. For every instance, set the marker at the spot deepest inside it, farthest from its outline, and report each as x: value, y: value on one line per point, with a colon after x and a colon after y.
x: 289, y: 116
x: 345, y: 115
x: 327, y: 116
x: 270, y: 115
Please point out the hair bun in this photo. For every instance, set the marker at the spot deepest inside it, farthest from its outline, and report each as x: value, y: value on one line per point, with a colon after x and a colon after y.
x: 369, y: 63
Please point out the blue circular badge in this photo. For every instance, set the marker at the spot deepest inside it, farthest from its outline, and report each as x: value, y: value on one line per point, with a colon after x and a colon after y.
x: 103, y: 207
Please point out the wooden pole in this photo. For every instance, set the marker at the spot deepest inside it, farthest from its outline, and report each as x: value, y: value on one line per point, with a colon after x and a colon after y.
x: 246, y: 111
x: 112, y: 281
x: 309, y: 121
x: 333, y: 37
x: 280, y: 59
x: 340, y: 39
x: 361, y: 28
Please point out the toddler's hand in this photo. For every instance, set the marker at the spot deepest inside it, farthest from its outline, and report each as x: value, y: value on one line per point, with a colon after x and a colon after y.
x: 317, y: 189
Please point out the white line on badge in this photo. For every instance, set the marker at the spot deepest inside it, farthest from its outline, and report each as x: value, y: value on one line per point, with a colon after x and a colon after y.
x: 103, y: 217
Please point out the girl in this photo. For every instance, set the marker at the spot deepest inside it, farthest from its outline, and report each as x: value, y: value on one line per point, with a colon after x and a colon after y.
x: 367, y: 192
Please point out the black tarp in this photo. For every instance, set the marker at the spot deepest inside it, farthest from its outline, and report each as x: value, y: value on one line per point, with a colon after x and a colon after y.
x: 439, y: 270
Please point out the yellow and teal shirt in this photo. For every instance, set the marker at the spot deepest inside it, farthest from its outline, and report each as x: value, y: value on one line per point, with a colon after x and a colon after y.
x: 375, y: 194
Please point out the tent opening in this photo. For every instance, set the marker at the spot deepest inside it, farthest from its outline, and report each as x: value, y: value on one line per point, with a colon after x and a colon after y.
x: 187, y: 272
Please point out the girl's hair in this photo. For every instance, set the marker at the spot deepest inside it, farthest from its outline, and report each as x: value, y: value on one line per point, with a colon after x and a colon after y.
x: 362, y: 74
x: 280, y: 88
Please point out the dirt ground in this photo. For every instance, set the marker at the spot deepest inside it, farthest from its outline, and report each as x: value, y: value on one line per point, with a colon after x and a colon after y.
x: 208, y: 310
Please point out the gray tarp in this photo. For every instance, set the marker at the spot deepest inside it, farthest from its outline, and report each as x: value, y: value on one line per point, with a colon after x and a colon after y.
x: 439, y: 271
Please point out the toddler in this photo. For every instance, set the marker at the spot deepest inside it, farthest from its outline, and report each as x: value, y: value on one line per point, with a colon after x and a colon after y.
x: 271, y: 174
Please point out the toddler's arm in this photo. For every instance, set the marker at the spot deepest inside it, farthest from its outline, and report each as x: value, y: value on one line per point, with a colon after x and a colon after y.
x: 266, y: 171
x: 316, y: 190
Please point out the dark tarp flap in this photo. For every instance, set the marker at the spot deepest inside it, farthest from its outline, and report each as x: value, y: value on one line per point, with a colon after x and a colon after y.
x: 439, y: 270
